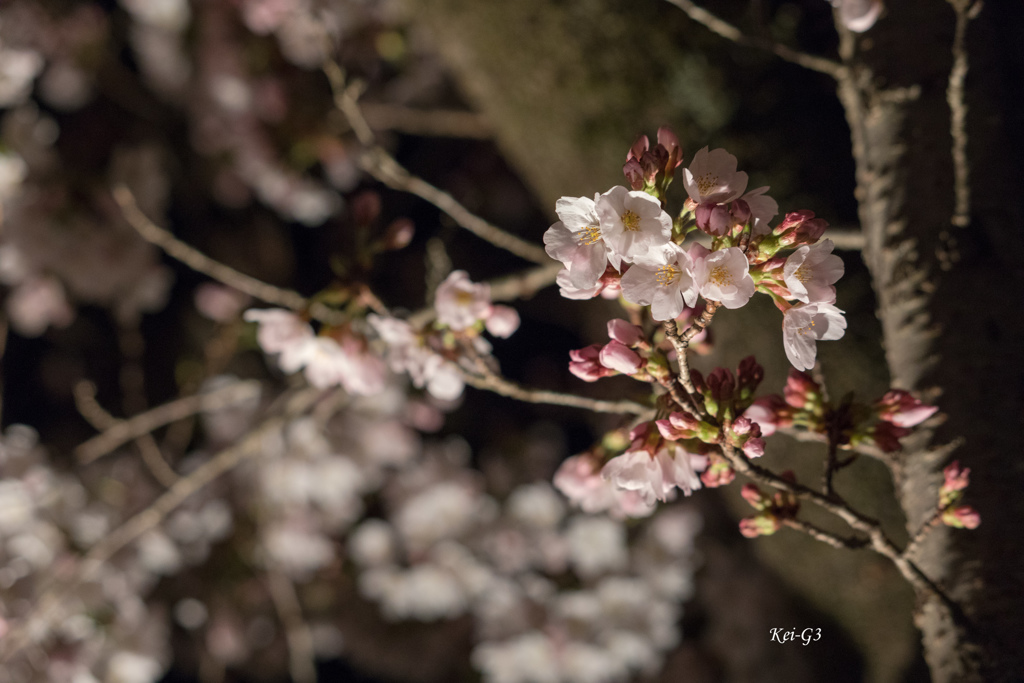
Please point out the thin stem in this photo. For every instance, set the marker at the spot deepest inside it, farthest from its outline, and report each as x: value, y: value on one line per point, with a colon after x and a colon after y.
x: 382, y: 166
x: 730, y: 32
x: 489, y: 380
x: 825, y: 536
x: 57, y: 590
x: 200, y: 262
x: 931, y: 523
x: 123, y: 431
x: 98, y: 417
x: 301, y: 655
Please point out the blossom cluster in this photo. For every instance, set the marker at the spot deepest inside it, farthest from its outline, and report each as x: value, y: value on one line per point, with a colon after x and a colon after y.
x: 625, y: 240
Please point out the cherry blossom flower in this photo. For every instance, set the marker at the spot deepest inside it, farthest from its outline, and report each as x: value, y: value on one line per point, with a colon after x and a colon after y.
x: 579, y: 479
x: 632, y: 222
x: 762, y: 209
x: 38, y: 303
x: 810, y: 272
x: 722, y: 275
x: 663, y: 280
x: 502, y: 322
x: 577, y: 241
x: 408, y: 353
x: 279, y: 329
x: 655, y: 476
x: 460, y: 303
x: 805, y: 324
x: 712, y: 177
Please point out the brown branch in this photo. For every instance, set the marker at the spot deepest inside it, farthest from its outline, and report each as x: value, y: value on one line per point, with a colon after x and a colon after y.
x: 301, y: 655
x: 490, y: 381
x: 57, y: 590
x: 200, y: 262
x: 730, y: 32
x: 915, y: 542
x: 124, y: 431
x: 90, y: 409
x: 825, y: 536
x: 878, y: 540
x: 382, y: 166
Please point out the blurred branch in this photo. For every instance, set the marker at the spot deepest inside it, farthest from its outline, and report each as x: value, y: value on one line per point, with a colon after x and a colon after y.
x: 121, y: 432
x: 98, y: 417
x: 427, y: 122
x: 824, y: 536
x: 58, y: 589
x: 730, y: 32
x: 202, y: 263
x: 301, y: 656
x: 382, y: 166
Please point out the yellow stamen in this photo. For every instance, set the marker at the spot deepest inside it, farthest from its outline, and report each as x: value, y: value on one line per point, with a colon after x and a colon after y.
x: 631, y: 221
x: 589, y: 235
x: 720, y: 276
x: 705, y: 182
x: 806, y: 330
x: 463, y: 298
x: 803, y: 274
x: 666, y: 275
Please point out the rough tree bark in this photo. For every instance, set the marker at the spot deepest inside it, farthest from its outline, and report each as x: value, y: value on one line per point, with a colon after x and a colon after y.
x: 949, y: 288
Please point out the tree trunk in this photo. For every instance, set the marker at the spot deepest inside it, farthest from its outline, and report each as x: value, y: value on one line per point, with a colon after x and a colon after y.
x: 949, y: 299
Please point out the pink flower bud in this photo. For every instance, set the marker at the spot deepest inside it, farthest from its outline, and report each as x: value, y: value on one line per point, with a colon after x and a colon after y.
x: 962, y: 517
x: 740, y: 211
x: 769, y: 412
x: 399, y: 234
x: 957, y: 478
x: 721, y: 383
x: 585, y: 364
x: 668, y: 139
x: 902, y: 409
x: 678, y: 426
x: 754, y: 447
x: 887, y: 436
x: 618, y: 356
x: 800, y: 389
x: 764, y: 524
x: 753, y: 495
x: 800, y: 227
x: 718, y: 473
x: 641, y: 145
x: 624, y: 332
x: 502, y: 321
x: 634, y: 174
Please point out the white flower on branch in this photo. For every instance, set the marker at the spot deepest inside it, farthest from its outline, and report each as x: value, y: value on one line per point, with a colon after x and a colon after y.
x: 712, y: 178
x: 577, y: 241
x: 632, y: 222
x: 810, y: 272
x: 662, y: 280
x: 804, y: 325
x: 722, y: 275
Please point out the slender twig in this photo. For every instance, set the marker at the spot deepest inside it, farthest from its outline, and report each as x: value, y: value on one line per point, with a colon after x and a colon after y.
x: 126, y: 430
x: 879, y: 542
x: 825, y: 536
x: 730, y: 32
x: 681, y: 342
x: 382, y: 166
x: 488, y: 380
x: 427, y: 122
x: 965, y: 11
x: 56, y: 590
x: 301, y: 655
x: 98, y: 417
x: 200, y: 262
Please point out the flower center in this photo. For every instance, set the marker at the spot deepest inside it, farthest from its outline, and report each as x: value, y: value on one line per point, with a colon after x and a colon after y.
x: 807, y: 329
x: 705, y: 182
x: 720, y: 276
x: 803, y: 274
x: 666, y: 275
x: 463, y: 298
x: 631, y: 221
x: 589, y: 235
